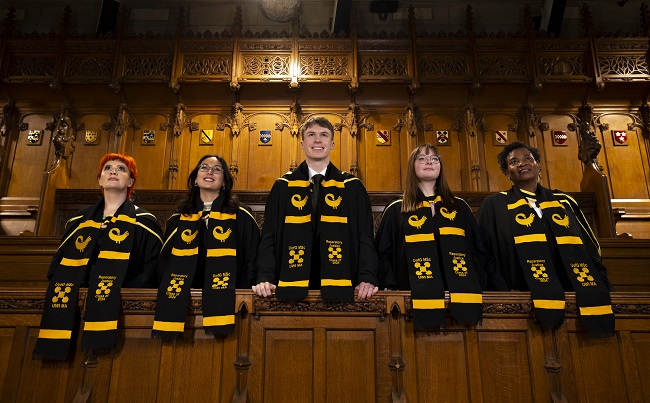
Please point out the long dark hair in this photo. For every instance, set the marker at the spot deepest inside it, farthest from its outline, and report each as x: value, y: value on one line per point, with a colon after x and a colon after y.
x: 413, y: 196
x: 230, y: 204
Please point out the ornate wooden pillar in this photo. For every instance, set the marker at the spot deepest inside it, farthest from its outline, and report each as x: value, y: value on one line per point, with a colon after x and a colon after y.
x: 587, y: 23
x: 293, y: 122
x: 57, y: 174
x: 177, y: 60
x: 553, y: 365
x: 350, y: 122
x: 118, y: 124
x: 471, y: 125
x: 411, y: 126
x: 415, y: 79
x: 592, y: 178
x: 8, y: 122
x: 179, y: 122
x: 236, y: 122
x: 234, y: 131
x: 236, y: 27
x: 242, y: 362
x: 396, y: 363
x: 532, y: 123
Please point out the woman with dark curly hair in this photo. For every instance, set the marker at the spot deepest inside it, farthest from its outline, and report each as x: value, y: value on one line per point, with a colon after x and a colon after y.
x: 428, y: 242
x: 210, y: 243
x: 542, y: 242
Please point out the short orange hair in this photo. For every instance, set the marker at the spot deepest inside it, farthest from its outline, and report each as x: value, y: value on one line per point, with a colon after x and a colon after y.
x: 128, y: 161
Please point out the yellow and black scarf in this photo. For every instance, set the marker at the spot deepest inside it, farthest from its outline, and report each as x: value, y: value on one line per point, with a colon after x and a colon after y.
x: 332, y: 233
x: 180, y: 264
x: 431, y: 261
x: 106, y: 277
x: 535, y: 259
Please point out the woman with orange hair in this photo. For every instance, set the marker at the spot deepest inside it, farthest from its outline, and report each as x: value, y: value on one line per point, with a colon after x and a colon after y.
x: 110, y: 245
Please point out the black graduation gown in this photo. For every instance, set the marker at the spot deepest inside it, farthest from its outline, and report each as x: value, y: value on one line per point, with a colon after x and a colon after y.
x: 248, y: 237
x: 143, y: 260
x: 492, y: 220
x: 393, y: 269
x: 363, y: 257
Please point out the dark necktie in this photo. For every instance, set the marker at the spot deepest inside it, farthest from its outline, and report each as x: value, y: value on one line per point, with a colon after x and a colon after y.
x: 317, y: 179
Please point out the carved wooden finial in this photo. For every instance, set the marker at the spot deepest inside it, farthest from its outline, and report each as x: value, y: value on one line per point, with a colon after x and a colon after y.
x: 122, y: 20
x: 589, y: 146
x: 532, y: 121
x: 118, y: 122
x: 8, y: 119
x: 180, y: 20
x: 66, y: 22
x: 8, y: 24
x: 238, y: 22
x: 586, y: 19
x: 645, y: 19
x: 470, y: 22
x: 62, y: 140
x: 644, y: 123
x: 411, y: 17
x: 529, y: 24
x: 411, y: 119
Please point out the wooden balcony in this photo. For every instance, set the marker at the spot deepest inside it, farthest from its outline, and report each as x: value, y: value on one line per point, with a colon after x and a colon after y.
x: 315, y: 351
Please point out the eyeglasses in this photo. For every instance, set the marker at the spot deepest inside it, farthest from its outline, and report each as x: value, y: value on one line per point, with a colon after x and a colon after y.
x: 207, y: 168
x: 423, y: 159
x: 527, y: 160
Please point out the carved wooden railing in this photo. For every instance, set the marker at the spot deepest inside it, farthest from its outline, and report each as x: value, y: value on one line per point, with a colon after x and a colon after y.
x: 316, y: 351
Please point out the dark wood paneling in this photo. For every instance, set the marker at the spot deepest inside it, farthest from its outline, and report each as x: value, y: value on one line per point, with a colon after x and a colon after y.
x: 640, y: 356
x: 313, y: 351
x: 350, y: 366
x: 505, y: 369
x: 135, y: 367
x: 24, y: 260
x: 7, y: 336
x: 441, y: 367
x: 627, y: 263
x: 590, y: 356
x: 291, y: 376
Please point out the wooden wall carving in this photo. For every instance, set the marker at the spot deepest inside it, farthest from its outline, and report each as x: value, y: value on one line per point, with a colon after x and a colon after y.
x: 234, y: 84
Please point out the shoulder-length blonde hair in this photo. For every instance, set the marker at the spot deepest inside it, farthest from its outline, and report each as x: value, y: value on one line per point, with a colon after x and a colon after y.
x: 413, y: 196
